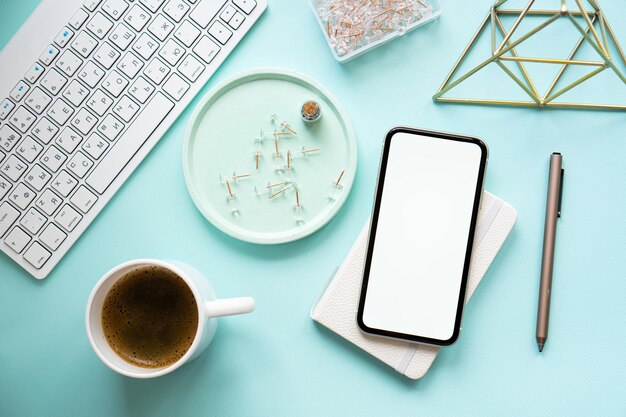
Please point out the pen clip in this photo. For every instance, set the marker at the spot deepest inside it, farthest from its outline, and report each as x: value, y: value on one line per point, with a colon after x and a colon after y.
x: 558, y: 210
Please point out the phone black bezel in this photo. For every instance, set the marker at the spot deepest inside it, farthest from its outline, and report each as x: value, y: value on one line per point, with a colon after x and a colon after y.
x: 470, y: 238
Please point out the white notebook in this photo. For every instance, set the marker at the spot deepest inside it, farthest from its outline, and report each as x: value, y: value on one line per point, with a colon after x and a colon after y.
x: 337, y: 307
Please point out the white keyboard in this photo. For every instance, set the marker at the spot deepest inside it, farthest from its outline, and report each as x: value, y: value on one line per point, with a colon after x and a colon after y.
x: 86, y: 112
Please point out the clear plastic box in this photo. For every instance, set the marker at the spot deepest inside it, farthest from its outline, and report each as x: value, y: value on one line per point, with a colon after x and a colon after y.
x: 434, y: 8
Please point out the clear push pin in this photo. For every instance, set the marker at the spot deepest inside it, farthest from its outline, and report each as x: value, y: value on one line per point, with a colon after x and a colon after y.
x: 306, y: 152
x: 337, y: 187
x: 283, y: 124
x: 276, y: 154
x: 274, y: 134
x: 257, y: 158
x: 298, y: 210
x: 280, y: 192
x: 232, y: 201
x: 237, y: 177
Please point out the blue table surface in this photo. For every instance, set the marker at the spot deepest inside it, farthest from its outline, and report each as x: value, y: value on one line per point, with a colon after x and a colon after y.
x: 277, y: 362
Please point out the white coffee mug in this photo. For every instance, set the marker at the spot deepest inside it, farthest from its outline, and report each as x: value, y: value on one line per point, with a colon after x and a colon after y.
x: 209, y: 308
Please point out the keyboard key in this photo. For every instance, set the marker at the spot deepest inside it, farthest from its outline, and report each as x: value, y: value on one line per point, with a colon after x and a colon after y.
x: 6, y: 108
x: 53, y: 158
x: 36, y: 255
x: 236, y: 21
x: 130, y: 64
x: 44, y: 130
x: 137, y: 17
x: 76, y: 93
x: 205, y: 11
x: 69, y: 63
x: 175, y: 87
x: 187, y: 33
x: 99, y: 25
x: 156, y: 70
x: 17, y: 239
x: 91, y: 74
x: 33, y: 73
x: 106, y: 55
x: 38, y: 100
x: 5, y: 186
x: 48, y: 55
x: 68, y: 139
x: 60, y: 111
x: 172, y: 51
x: 99, y: 102
x: 18, y: 91
x: 83, y: 199
x: 126, y: 108
x: 29, y: 149
x: 161, y: 27
x: 206, y: 49
x: 33, y: 221
x: 95, y: 145
x: 79, y: 164
x: 146, y: 45
x: 116, y: 159
x: 84, y: 121
x: 8, y: 137
x: 84, y: 44
x: 122, y: 36
x: 246, y: 5
x: 21, y: 196
x: 220, y: 32
x: 68, y: 218
x: 176, y: 9
x: 141, y: 90
x: 52, y: 236
x: 191, y: 68
x: 228, y: 13
x: 22, y: 119
x: 114, y: 83
x: 64, y: 183
x: 115, y: 8
x: 8, y: 216
x: 111, y: 127
x: 53, y: 81
x: 78, y: 19
x: 91, y: 4
x: 63, y: 37
x: 49, y: 202
x: 37, y: 177
x: 13, y: 168
x: 152, y: 5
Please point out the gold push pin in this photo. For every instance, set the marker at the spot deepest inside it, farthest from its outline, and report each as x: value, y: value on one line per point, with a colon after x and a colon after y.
x: 288, y: 159
x: 257, y: 155
x: 297, y: 199
x: 277, y: 152
x: 283, y: 124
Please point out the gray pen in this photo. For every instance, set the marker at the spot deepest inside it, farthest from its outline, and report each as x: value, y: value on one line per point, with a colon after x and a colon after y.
x: 553, y: 212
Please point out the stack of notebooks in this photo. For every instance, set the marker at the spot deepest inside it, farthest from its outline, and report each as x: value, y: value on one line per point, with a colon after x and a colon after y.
x: 337, y: 307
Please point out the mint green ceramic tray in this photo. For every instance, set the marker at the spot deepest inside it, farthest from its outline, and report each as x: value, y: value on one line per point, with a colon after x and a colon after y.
x: 220, y: 145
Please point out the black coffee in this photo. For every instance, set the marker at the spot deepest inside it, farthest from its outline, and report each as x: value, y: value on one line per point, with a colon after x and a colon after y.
x: 150, y: 317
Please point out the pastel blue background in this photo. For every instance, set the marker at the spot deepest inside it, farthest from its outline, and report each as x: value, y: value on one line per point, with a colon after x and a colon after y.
x: 277, y: 362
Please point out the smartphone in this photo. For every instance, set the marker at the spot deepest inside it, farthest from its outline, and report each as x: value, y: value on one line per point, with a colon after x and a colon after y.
x: 421, y: 234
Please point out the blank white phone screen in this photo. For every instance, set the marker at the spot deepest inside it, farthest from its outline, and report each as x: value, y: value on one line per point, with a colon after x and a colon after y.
x: 422, y: 234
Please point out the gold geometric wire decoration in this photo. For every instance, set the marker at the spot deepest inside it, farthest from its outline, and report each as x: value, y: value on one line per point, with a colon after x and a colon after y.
x: 597, y: 38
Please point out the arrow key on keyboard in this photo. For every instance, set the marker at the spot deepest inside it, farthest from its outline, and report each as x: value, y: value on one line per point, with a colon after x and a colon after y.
x: 36, y: 255
x: 17, y: 239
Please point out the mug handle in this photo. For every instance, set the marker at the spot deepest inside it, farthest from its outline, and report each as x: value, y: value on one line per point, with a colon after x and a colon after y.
x: 228, y: 306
